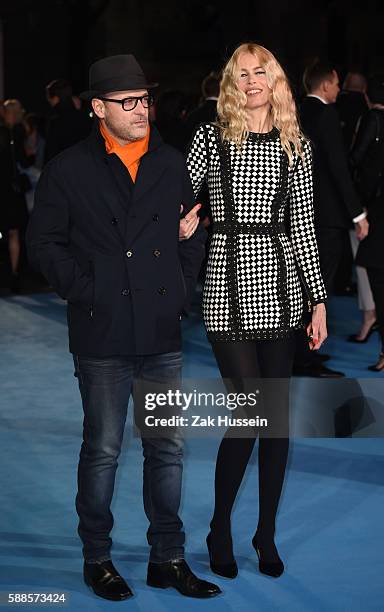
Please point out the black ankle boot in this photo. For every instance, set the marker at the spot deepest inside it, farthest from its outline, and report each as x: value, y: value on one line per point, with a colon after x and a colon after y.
x: 105, y: 581
x: 228, y: 570
x: 269, y: 560
x: 178, y: 574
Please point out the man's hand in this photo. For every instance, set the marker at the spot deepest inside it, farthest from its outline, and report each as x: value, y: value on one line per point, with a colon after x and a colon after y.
x: 362, y: 228
x: 317, y: 329
x: 190, y: 222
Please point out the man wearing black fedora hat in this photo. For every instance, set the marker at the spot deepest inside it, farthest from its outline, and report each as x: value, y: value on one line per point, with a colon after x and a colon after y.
x: 104, y: 232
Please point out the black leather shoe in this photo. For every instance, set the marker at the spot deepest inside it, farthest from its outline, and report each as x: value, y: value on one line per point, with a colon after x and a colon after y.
x: 105, y: 581
x: 271, y: 568
x: 178, y: 574
x: 227, y: 570
x: 317, y: 371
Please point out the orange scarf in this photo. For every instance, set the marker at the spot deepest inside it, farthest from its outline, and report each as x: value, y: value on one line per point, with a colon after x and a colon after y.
x: 129, y: 154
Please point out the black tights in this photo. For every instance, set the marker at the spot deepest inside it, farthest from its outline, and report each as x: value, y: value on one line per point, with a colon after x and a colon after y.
x: 237, y: 361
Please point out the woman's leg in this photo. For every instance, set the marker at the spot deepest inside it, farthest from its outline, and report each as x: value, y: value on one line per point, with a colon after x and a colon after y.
x: 14, y: 249
x: 236, y: 361
x: 376, y: 279
x: 366, y: 303
x: 275, y: 359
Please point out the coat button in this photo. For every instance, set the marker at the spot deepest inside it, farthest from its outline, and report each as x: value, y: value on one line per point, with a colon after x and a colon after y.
x: 156, y: 253
x: 114, y: 221
x: 155, y: 217
x: 129, y: 253
x: 162, y: 290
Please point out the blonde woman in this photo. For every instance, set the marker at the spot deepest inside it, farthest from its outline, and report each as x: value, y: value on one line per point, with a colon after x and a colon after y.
x: 257, y: 165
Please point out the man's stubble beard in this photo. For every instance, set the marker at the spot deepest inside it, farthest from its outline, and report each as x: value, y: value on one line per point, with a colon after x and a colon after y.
x: 125, y: 133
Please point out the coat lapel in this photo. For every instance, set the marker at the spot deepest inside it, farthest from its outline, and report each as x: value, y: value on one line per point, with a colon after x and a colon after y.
x: 110, y: 191
x: 127, y: 200
x: 151, y: 169
x: 122, y: 180
x: 112, y: 197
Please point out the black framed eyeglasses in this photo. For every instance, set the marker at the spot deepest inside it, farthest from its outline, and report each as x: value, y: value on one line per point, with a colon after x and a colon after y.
x: 128, y: 104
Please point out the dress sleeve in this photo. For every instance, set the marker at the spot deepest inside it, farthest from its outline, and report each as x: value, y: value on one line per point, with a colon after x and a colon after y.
x: 197, y: 159
x: 303, y: 236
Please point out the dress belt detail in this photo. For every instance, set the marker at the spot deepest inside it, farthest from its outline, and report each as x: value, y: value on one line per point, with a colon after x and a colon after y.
x: 232, y: 227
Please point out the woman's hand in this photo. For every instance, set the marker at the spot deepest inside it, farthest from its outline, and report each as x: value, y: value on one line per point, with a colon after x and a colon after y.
x: 317, y: 329
x: 190, y: 222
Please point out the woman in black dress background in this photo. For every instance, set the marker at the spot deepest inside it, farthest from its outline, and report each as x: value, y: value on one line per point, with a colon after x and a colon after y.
x: 368, y: 159
x: 13, y: 210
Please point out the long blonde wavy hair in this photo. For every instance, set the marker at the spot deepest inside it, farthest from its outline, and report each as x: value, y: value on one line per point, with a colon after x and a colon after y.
x: 232, y: 101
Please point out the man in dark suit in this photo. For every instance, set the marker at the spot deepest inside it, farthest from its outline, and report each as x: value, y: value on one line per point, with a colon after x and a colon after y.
x: 207, y: 110
x: 67, y: 125
x: 336, y: 204
x: 352, y: 104
x: 104, y: 232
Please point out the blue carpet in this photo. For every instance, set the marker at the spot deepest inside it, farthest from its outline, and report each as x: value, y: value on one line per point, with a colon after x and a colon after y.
x: 330, y: 527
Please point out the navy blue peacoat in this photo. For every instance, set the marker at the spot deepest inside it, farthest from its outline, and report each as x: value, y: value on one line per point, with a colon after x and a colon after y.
x: 110, y: 246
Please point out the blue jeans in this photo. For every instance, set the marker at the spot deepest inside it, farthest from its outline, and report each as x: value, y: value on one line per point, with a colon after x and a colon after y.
x: 105, y: 387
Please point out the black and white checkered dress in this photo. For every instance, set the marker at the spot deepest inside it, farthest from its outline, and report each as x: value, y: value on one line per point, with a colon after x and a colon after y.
x: 252, y: 288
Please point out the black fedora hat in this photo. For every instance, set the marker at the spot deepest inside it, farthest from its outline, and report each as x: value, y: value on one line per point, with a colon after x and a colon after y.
x: 115, y: 73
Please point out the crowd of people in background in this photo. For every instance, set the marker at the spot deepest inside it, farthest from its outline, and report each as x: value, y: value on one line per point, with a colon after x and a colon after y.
x: 345, y: 126
x: 27, y: 142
